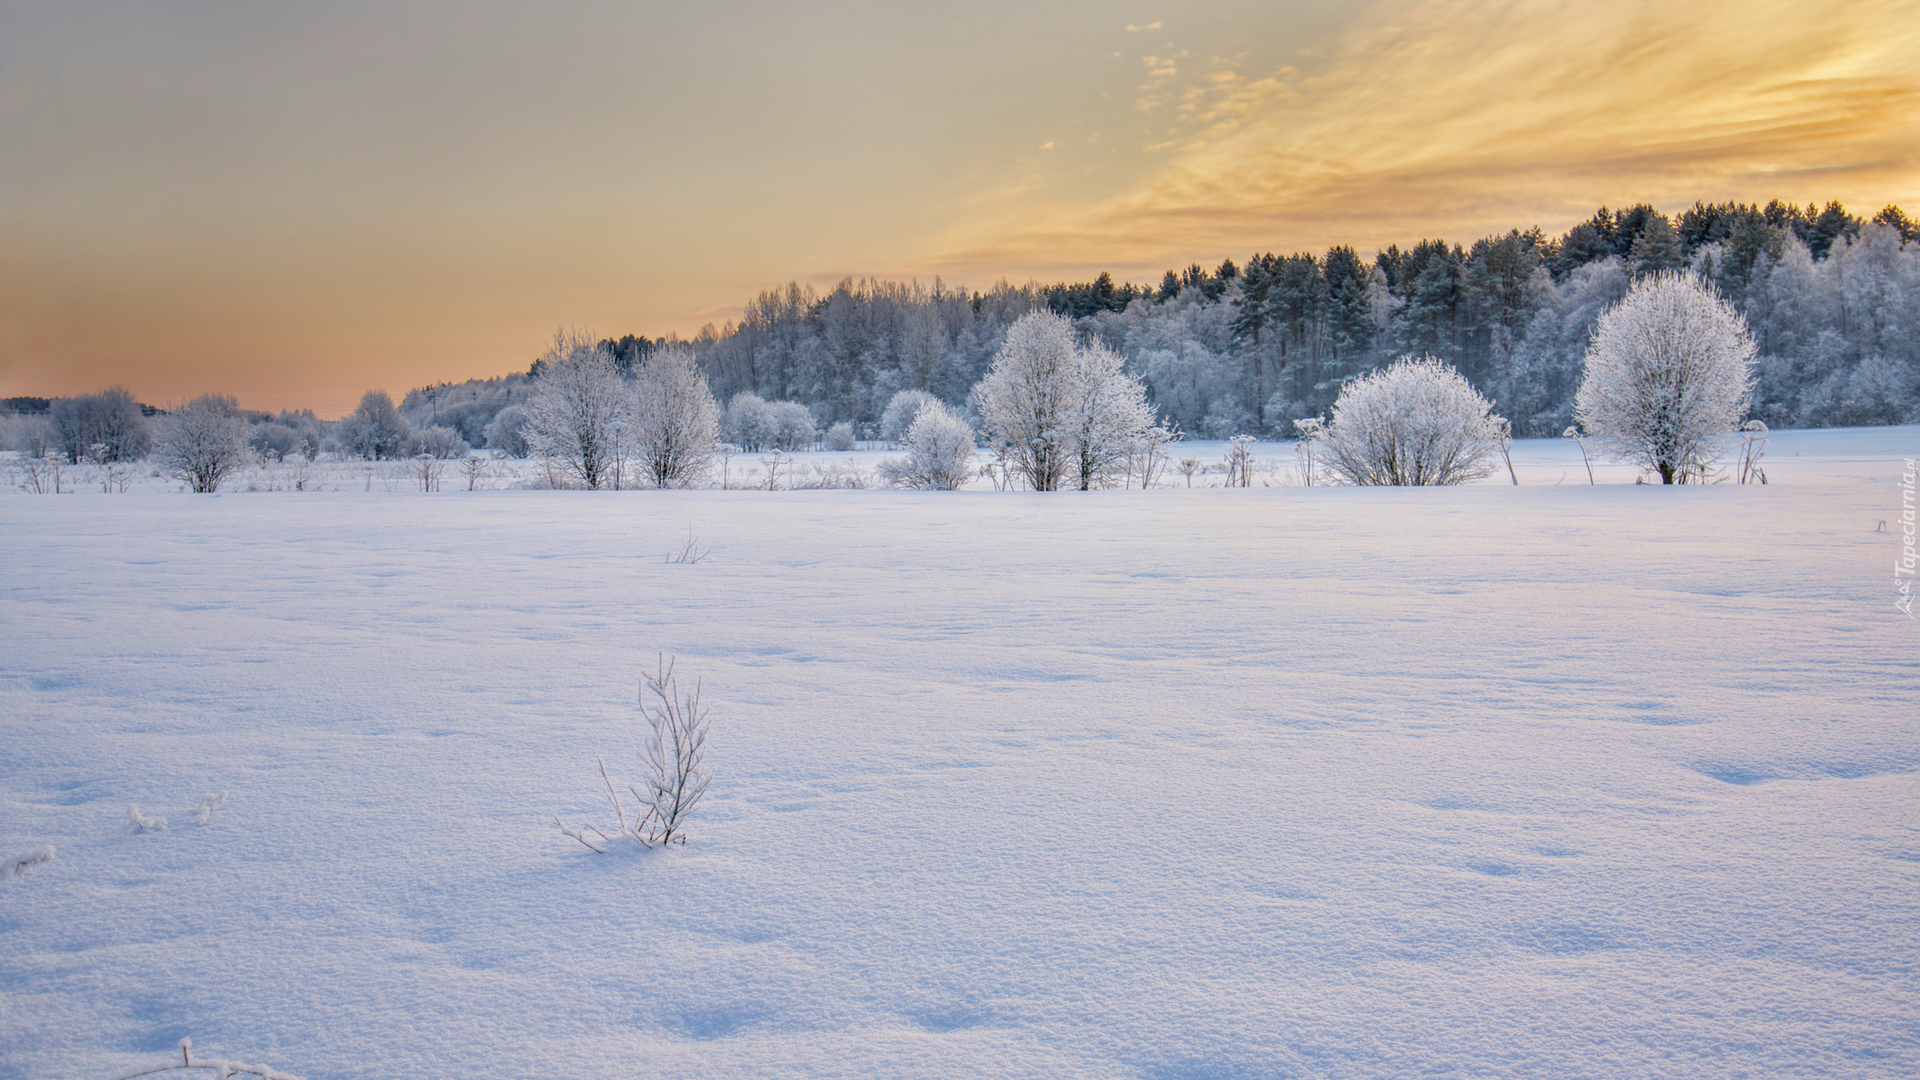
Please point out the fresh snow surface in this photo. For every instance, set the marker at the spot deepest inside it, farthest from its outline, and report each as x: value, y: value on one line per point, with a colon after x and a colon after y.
x: 1497, y: 781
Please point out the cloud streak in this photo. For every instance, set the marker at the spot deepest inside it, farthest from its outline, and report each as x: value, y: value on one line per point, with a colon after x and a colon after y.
x: 1461, y: 116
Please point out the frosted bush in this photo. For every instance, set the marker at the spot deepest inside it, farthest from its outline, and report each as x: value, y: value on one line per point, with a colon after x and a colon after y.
x: 790, y: 426
x: 203, y: 442
x: 1414, y: 422
x: 939, y: 449
x: 840, y: 437
x: 440, y: 442
x: 506, y: 432
x: 104, y: 427
x: 745, y: 423
x: 900, y: 411
x: 32, y: 436
x: 375, y: 429
x: 754, y: 424
x: 274, y: 441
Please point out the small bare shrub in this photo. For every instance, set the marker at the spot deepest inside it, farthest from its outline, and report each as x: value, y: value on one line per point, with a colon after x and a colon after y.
x: 1573, y: 432
x: 41, y: 473
x: 1311, y: 430
x: 690, y: 552
x: 428, y: 469
x: 676, y: 772
x: 774, y: 462
x: 1753, y: 447
x: 1240, y: 461
x: 475, y: 467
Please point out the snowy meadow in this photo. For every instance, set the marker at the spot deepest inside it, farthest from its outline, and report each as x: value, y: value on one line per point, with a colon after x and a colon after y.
x: 1546, y: 780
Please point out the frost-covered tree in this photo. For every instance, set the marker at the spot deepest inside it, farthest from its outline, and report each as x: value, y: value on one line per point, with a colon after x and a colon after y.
x: 375, y: 429
x: 32, y: 436
x: 1025, y: 399
x: 754, y: 424
x: 581, y: 410
x: 745, y: 422
x: 790, y: 426
x: 1062, y: 413
x: 676, y: 425
x: 443, y: 443
x: 1414, y: 422
x: 1110, y: 416
x: 203, y: 441
x: 1669, y: 371
x: 939, y: 449
x: 105, y: 427
x: 274, y: 440
x: 506, y: 432
x: 900, y: 412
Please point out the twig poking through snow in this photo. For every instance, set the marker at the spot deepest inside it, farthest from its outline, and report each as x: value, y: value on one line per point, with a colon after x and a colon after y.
x: 580, y: 835
x: 208, y: 804
x: 143, y: 823
x: 676, y: 756
x: 18, y: 867
x: 690, y: 552
x: 677, y: 775
x: 218, y: 1066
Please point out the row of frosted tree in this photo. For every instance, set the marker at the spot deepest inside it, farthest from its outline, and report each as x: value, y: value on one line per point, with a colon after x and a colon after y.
x: 1832, y: 300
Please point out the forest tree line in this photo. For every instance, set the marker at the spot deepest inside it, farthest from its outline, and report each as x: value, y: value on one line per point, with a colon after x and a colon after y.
x: 1832, y: 299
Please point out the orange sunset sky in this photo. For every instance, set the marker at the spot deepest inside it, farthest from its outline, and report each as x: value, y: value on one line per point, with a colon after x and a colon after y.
x: 294, y: 203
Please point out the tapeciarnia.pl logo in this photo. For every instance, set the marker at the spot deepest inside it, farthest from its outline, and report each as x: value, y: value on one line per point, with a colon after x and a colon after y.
x: 1903, y: 567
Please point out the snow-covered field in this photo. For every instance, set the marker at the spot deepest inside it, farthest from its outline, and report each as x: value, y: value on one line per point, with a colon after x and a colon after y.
x: 1542, y: 781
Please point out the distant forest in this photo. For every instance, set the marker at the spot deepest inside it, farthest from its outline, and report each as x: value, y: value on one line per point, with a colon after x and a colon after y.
x: 1833, y: 300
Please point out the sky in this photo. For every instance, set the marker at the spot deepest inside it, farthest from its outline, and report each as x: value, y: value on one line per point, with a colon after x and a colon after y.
x: 296, y: 202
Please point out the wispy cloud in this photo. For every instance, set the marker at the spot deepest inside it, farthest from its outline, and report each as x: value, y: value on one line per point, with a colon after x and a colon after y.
x: 1448, y: 116
x: 1132, y: 29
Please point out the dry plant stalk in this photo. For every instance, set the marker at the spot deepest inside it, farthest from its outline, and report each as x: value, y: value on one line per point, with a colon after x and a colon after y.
x: 676, y: 772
